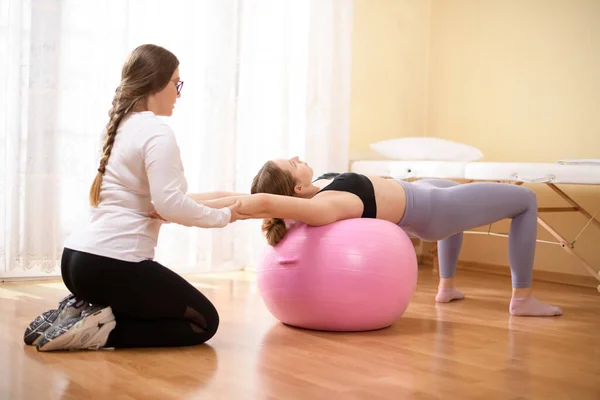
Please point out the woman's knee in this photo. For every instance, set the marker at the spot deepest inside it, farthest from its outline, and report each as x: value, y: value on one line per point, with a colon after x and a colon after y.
x: 212, y: 328
x: 202, y: 335
x: 529, y: 197
x: 204, y: 317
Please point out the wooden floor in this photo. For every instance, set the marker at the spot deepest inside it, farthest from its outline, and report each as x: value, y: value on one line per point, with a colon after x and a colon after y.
x: 464, y: 350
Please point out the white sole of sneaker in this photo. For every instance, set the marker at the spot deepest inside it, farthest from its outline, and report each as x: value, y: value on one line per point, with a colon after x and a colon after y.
x: 90, y: 332
x: 32, y: 338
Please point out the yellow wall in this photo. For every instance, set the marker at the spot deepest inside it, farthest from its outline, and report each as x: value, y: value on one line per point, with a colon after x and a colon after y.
x: 506, y: 76
x: 510, y: 76
x: 389, y: 72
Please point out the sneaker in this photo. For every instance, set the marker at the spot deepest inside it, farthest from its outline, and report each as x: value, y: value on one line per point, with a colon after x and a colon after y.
x: 88, y: 331
x: 67, y: 307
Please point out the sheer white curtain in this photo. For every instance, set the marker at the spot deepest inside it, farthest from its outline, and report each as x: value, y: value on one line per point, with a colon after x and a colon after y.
x: 263, y: 78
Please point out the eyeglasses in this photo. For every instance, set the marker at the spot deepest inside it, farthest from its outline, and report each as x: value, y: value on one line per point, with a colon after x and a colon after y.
x: 179, y: 85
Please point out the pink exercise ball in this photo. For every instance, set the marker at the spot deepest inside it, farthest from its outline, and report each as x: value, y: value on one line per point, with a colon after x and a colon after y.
x: 352, y: 275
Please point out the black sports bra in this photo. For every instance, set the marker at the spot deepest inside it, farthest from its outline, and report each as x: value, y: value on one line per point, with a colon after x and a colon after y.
x: 357, y: 184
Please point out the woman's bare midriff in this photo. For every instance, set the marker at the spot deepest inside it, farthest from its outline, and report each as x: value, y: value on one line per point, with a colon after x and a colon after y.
x: 390, y: 197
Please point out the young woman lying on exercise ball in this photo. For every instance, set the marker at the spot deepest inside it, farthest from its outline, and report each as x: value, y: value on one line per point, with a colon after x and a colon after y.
x: 432, y: 210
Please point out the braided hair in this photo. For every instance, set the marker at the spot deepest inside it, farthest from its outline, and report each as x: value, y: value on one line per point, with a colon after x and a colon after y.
x: 147, y: 70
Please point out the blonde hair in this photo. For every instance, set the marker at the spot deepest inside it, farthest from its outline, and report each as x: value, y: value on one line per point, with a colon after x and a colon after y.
x: 147, y: 70
x: 272, y: 179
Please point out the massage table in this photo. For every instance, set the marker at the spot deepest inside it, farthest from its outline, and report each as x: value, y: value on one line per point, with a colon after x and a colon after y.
x: 568, y: 172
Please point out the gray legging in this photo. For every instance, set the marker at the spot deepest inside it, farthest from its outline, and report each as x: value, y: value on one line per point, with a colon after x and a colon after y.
x: 440, y: 210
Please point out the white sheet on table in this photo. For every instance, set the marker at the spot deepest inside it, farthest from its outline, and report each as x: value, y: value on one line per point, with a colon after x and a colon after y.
x: 534, y: 172
x: 411, y: 169
x: 584, y: 161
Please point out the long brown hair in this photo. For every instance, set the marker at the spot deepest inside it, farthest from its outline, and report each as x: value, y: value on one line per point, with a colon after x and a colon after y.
x: 274, y: 180
x: 147, y: 70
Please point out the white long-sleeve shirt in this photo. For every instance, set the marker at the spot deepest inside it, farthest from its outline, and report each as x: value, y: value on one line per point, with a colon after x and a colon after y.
x: 144, y: 173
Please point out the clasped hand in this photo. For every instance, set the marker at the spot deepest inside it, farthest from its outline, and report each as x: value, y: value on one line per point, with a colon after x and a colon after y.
x: 235, y: 214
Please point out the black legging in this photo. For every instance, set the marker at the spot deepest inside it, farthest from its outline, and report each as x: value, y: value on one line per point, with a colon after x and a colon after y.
x: 153, y: 306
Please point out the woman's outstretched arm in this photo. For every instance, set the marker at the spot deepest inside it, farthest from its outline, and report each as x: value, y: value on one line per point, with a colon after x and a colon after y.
x: 199, y: 197
x: 315, y: 211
